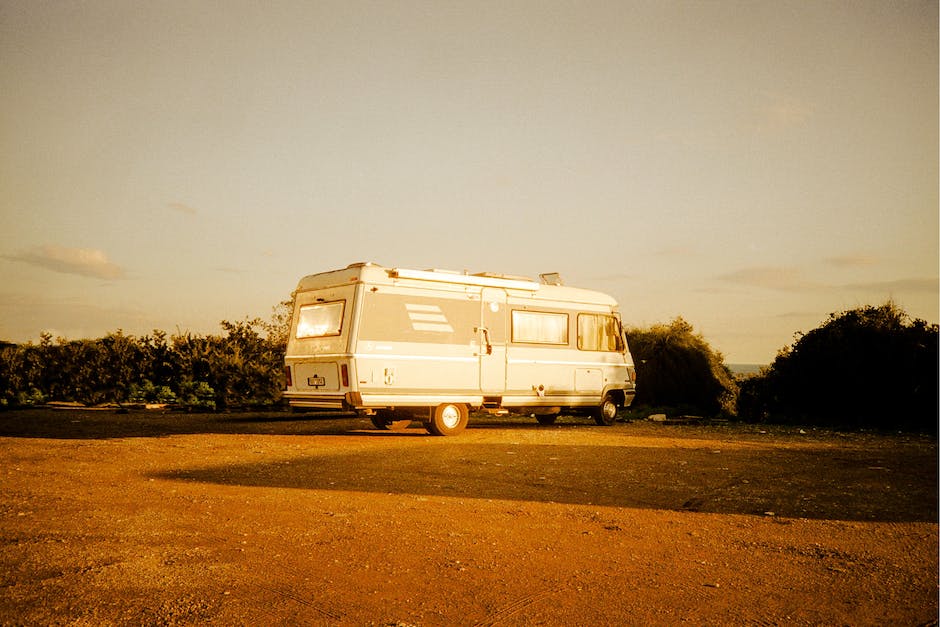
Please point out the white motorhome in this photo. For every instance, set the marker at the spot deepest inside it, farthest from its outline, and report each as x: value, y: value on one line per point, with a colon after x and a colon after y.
x: 430, y: 345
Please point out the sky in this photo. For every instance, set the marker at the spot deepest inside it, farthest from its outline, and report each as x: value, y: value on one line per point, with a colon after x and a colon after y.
x: 749, y: 166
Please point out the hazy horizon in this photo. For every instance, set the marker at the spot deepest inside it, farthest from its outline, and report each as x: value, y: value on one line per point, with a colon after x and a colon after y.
x: 749, y: 166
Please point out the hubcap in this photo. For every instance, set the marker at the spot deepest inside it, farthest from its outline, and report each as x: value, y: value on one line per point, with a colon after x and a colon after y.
x: 450, y: 416
x: 610, y: 410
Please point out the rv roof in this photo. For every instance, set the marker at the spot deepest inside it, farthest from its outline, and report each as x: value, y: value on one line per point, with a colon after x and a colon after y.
x: 368, y: 271
x: 496, y: 275
x: 484, y: 280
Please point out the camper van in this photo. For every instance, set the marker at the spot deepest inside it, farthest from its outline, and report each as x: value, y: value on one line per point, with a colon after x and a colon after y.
x: 401, y: 345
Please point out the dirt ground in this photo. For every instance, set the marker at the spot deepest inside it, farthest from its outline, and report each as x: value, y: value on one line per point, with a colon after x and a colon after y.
x: 246, y: 519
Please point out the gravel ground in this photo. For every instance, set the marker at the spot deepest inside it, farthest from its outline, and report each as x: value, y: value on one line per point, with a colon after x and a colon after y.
x: 275, y: 518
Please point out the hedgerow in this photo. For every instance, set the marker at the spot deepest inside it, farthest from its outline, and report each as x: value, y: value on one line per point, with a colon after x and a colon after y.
x: 243, y: 367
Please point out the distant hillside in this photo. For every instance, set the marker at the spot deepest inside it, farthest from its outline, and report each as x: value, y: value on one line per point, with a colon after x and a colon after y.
x: 743, y: 370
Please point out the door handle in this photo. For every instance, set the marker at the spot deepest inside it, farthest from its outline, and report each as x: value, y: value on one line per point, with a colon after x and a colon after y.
x: 486, y: 339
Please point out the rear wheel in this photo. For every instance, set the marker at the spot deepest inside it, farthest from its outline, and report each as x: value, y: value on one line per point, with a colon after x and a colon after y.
x: 448, y: 419
x: 606, y: 413
x: 389, y: 421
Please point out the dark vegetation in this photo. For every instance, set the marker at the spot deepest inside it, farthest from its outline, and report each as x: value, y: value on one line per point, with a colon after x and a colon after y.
x: 870, y: 367
x: 240, y: 369
x: 866, y: 368
x: 677, y: 369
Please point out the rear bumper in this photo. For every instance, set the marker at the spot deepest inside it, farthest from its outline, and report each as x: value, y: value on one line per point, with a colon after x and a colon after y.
x: 629, y: 394
x: 317, y: 401
x: 356, y: 400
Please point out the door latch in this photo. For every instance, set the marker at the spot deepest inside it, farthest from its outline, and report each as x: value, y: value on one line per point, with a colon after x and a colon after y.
x: 486, y: 340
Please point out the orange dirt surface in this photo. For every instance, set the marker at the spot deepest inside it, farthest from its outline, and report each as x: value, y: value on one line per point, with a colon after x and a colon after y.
x: 283, y: 519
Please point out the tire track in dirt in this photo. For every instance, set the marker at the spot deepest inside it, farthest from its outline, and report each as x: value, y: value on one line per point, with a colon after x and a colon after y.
x: 302, y: 601
x: 282, y: 591
x: 514, y: 607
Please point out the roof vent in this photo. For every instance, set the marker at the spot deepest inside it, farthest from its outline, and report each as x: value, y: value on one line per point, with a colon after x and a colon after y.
x: 551, y: 278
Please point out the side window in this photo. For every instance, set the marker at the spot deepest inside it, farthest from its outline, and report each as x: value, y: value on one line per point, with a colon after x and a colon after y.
x: 599, y: 332
x: 320, y: 320
x: 539, y: 327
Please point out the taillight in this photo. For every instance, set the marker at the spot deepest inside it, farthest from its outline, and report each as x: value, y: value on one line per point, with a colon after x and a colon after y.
x: 288, y: 377
x: 344, y: 375
x: 632, y: 372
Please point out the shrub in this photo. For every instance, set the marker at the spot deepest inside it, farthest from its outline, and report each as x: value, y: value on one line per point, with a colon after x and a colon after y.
x: 242, y: 368
x: 677, y: 368
x: 246, y: 368
x: 868, y: 367
x: 196, y: 395
x: 147, y: 392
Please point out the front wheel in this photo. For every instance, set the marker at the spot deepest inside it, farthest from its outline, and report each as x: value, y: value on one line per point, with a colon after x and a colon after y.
x: 606, y: 413
x: 448, y: 419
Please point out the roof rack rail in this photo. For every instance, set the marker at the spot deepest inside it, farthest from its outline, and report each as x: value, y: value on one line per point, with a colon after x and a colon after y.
x: 464, y: 279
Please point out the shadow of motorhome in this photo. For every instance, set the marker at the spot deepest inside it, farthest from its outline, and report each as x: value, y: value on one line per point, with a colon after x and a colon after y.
x: 83, y: 424
x: 784, y: 483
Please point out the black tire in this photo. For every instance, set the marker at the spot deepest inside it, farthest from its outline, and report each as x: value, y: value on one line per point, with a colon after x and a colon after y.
x: 605, y: 414
x: 390, y: 421
x: 448, y: 419
x: 546, y: 419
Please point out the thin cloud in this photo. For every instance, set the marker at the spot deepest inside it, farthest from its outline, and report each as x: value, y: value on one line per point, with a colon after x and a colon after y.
x: 768, y: 115
x: 88, y: 262
x: 852, y: 261
x: 602, y: 278
x: 792, y: 279
x: 24, y: 316
x: 689, y: 137
x: 787, y: 113
x: 182, y: 208
x: 676, y: 251
x: 798, y: 314
x: 899, y: 285
x: 714, y: 290
x: 782, y: 278
x: 782, y: 112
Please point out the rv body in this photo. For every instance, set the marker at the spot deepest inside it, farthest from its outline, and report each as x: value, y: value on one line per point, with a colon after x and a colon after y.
x: 430, y: 345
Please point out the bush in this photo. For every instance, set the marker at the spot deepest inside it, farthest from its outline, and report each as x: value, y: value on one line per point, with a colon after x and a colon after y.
x: 245, y: 369
x: 676, y: 368
x: 196, y: 395
x: 242, y: 368
x: 870, y: 367
x: 147, y: 392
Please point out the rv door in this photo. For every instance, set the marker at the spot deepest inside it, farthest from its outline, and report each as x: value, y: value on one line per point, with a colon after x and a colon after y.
x: 492, y: 338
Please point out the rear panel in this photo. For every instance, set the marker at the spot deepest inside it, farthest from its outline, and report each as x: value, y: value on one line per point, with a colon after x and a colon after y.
x: 318, y: 357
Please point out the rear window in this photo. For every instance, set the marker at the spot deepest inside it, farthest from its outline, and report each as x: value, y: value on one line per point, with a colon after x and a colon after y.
x: 320, y: 320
